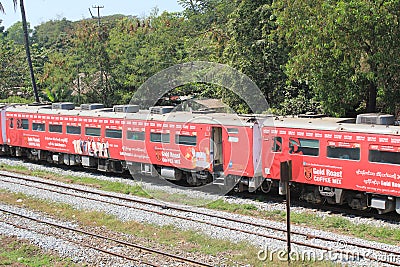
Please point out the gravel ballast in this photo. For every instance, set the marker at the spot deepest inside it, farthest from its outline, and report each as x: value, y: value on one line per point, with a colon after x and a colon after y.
x: 127, y: 214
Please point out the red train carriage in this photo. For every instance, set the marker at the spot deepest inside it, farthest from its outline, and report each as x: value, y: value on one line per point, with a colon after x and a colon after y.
x: 338, y: 161
x: 57, y: 135
x: 194, y: 146
x: 179, y: 145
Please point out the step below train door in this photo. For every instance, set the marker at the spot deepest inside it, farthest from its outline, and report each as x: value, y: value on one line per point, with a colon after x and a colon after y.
x: 216, y: 151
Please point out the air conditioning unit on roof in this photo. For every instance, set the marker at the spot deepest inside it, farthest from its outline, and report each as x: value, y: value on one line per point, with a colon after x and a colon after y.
x: 92, y: 106
x: 375, y: 118
x: 63, y: 105
x: 161, y: 109
x: 126, y: 108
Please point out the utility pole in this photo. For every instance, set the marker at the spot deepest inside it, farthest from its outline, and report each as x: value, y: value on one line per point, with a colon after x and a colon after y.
x: 27, y: 49
x: 98, y: 13
x: 286, y: 177
x: 101, y: 41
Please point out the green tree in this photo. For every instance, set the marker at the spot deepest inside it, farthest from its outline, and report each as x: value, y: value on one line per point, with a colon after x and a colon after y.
x: 346, y: 50
x: 206, y: 28
x: 89, y: 42
x: 1, y: 29
x: 139, y: 49
x: 254, y: 49
x: 16, y: 33
x: 53, y: 34
x: 13, y: 72
x: 58, y: 77
x: 26, y: 41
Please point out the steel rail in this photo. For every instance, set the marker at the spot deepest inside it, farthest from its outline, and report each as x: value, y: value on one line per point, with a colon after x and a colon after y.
x: 121, y: 242
x: 163, y: 206
x: 76, y: 242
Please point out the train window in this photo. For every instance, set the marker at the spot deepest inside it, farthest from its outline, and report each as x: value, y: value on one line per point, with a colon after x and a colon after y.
x: 343, y: 153
x: 384, y: 157
x: 11, y: 125
x: 132, y: 135
x: 277, y: 146
x: 233, y: 139
x: 308, y: 147
x: 23, y: 124
x: 73, y: 129
x: 233, y: 130
x: 114, y: 133
x: 159, y: 137
x: 55, y: 128
x: 90, y: 131
x: 38, y: 127
x: 186, y: 140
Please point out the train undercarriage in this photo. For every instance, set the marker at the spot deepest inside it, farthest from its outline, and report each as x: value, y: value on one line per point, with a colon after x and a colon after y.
x: 310, y: 193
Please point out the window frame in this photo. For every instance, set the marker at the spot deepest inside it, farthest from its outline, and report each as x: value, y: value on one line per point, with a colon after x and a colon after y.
x: 142, y: 134
x: 185, y: 143
x: 346, y: 151
x: 52, y: 130
x: 274, y: 145
x: 233, y: 139
x: 383, y: 153
x: 93, y: 128
x: 23, y: 124
x: 161, y: 139
x: 108, y: 131
x: 11, y: 123
x: 76, y: 127
x: 294, y: 139
x: 35, y: 128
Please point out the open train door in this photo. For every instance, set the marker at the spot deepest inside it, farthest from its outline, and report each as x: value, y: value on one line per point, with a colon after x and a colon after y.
x: 3, y: 137
x: 216, y: 151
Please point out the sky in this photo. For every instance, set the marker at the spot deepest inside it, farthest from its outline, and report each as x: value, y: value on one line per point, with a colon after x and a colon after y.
x: 38, y: 11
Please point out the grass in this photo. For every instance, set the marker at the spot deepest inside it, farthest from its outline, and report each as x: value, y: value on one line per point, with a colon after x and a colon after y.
x: 118, y: 187
x: 234, y: 254
x: 220, y: 204
x: 168, y: 236
x: 329, y: 223
x: 341, y: 225
x: 21, y: 253
x: 108, y: 186
x: 176, y: 198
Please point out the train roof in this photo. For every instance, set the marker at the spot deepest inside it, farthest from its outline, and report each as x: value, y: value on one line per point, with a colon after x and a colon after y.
x: 175, y: 116
x: 331, y: 124
x: 295, y: 122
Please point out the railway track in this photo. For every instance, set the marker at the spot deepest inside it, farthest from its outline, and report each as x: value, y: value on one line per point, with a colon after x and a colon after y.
x: 270, y: 197
x: 261, y: 230
x: 324, y: 207
x: 137, y: 247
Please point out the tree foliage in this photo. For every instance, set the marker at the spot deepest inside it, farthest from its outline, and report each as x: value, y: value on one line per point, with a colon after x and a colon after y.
x: 344, y: 49
x: 338, y: 57
x: 16, y: 33
x: 54, y: 34
x: 13, y: 69
x: 253, y: 48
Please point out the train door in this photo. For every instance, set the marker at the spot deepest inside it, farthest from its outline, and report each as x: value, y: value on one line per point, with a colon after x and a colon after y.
x: 3, y: 138
x: 257, y: 150
x: 216, y: 149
